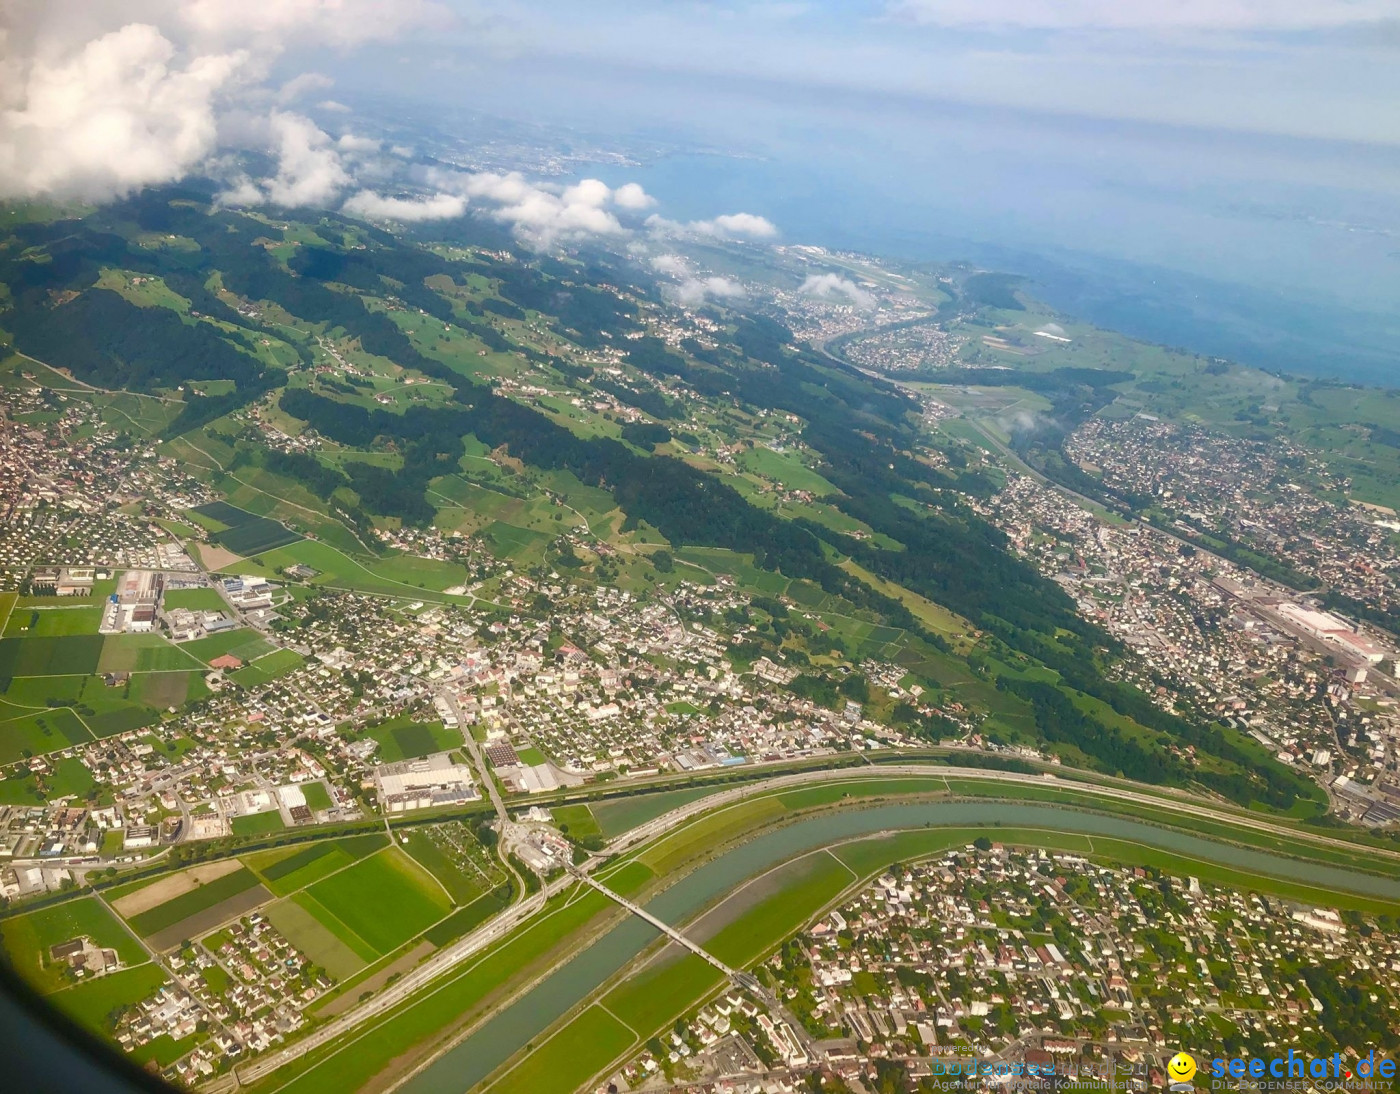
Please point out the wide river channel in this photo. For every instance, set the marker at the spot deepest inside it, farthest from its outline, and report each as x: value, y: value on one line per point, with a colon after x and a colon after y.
x: 511, y: 1028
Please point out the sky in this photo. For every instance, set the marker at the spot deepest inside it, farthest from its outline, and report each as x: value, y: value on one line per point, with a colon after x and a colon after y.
x: 1254, y: 142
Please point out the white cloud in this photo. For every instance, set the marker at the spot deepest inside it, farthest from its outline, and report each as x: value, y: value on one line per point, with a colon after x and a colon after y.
x: 830, y: 286
x: 374, y: 206
x: 630, y: 195
x: 671, y: 264
x: 1241, y: 15
x: 333, y: 106
x: 99, y: 99
x: 727, y: 226
x: 119, y: 114
x: 544, y: 214
x: 354, y: 145
x: 301, y: 85
x: 694, y: 291
x: 309, y: 169
x: 738, y: 225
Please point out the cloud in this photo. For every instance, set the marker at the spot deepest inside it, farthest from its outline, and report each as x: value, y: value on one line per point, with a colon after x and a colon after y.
x: 341, y: 23
x: 694, y: 291
x: 1240, y: 15
x: 298, y: 86
x: 348, y: 142
x: 544, y: 214
x: 99, y: 99
x: 309, y: 168
x: 830, y: 286
x: 119, y: 114
x: 630, y: 195
x: 333, y: 106
x: 727, y: 226
x: 671, y: 264
x: 372, y: 206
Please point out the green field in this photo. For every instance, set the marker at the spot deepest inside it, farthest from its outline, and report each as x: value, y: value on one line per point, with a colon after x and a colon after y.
x: 404, y: 739
x: 286, y: 870
x: 267, y: 668
x: 143, y: 653
x: 465, y: 882
x: 392, y: 576
x: 242, y: 532
x: 384, y: 900
x: 619, y: 815
x: 182, y: 907
x: 578, y: 819
x: 89, y: 1004
x: 468, y: 918
x: 304, y: 931
x: 258, y: 824
x: 244, y: 643
x: 196, y: 600
x: 457, y: 1000
x: 53, y: 622
x: 35, y: 734
x: 26, y: 938
x: 168, y: 689
x: 531, y: 756
x: 51, y: 655
x: 317, y: 796
x: 570, y: 1058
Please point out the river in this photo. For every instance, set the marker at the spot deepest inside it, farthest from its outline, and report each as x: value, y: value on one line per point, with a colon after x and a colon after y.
x: 502, y: 1035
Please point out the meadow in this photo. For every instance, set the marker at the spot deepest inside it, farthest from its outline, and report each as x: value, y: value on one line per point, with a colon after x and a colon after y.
x: 382, y: 901
x: 404, y: 739
x: 26, y: 939
x: 285, y: 870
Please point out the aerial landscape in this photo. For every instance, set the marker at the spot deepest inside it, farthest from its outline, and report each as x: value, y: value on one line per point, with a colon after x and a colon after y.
x: 478, y: 614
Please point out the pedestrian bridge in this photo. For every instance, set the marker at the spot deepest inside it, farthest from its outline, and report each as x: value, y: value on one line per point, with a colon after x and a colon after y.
x: 742, y: 978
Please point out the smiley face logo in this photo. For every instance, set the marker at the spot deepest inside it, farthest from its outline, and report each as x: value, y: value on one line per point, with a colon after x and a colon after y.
x: 1181, y: 1068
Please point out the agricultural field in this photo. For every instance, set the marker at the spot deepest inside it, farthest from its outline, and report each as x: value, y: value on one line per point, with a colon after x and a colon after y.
x: 53, y: 622
x: 240, y: 531
x: 195, y: 600
x: 576, y: 821
x: 619, y: 815
x: 25, y: 939
x: 144, y: 653
x: 244, y: 643
x: 285, y: 870
x: 453, y: 855
x: 51, y: 655
x: 258, y: 824
x: 404, y: 739
x: 267, y: 668
x: 195, y: 910
x: 379, y: 903
x: 25, y: 735
x: 304, y: 931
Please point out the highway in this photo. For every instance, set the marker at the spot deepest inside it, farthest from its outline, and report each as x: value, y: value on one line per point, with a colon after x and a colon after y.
x: 445, y: 960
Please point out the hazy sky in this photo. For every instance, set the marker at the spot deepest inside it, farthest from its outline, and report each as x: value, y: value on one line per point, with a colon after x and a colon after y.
x: 1256, y: 141
x: 1316, y: 68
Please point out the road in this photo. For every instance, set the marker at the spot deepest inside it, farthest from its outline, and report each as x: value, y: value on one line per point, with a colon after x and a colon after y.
x: 440, y: 963
x: 455, y: 954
